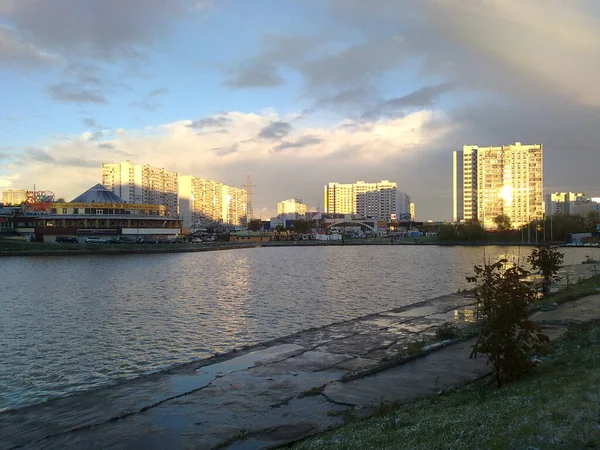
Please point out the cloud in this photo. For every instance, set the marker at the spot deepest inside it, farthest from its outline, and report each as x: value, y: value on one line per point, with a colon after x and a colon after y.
x: 210, y: 122
x: 91, y: 123
x: 424, y: 97
x: 16, y: 51
x: 106, y: 29
x: 303, y: 141
x: 320, y: 155
x: 149, y: 102
x: 71, y: 92
x: 275, y: 130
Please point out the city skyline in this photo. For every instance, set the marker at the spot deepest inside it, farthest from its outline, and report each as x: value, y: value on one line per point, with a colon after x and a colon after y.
x: 296, y: 94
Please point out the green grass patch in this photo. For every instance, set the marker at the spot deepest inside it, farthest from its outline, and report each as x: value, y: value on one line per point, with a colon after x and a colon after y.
x: 575, y: 291
x: 557, y: 407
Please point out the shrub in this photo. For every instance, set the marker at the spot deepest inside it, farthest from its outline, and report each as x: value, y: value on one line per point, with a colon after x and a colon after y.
x: 547, y: 261
x: 447, y: 331
x: 507, y: 336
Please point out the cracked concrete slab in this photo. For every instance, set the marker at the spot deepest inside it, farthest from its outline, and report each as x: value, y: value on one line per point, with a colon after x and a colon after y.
x: 269, y: 394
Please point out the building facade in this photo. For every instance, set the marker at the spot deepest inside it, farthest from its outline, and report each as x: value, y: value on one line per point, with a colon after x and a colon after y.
x: 14, y: 196
x: 203, y: 202
x: 96, y: 212
x: 142, y: 184
x: 493, y: 181
x: 378, y: 201
x: 291, y: 206
x: 560, y: 202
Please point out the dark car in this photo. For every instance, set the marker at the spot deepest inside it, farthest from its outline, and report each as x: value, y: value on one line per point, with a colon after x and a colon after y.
x: 114, y: 241
x: 126, y: 240
x: 66, y: 240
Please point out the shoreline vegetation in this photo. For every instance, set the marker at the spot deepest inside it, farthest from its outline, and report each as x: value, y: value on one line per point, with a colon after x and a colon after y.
x: 19, y: 248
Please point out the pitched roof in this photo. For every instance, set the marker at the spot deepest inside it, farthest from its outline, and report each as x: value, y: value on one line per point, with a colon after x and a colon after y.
x: 97, y: 194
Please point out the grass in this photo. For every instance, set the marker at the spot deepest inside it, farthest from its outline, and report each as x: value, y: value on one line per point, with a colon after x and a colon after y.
x: 557, y: 407
x: 575, y: 291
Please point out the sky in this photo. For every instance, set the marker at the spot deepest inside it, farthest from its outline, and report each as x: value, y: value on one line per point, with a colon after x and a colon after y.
x: 297, y: 93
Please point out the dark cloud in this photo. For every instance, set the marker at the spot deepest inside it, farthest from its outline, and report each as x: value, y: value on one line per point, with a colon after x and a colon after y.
x: 107, y: 28
x: 424, y: 97
x: 304, y: 141
x: 255, y: 75
x: 107, y: 146
x: 149, y: 102
x: 79, y: 162
x: 210, y: 122
x: 228, y: 150
x: 70, y: 92
x: 275, y: 130
x: 38, y: 154
x: 14, y: 51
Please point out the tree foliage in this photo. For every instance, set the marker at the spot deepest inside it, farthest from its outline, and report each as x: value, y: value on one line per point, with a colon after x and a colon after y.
x: 303, y: 226
x: 507, y: 336
x: 472, y: 231
x: 547, y: 260
x: 255, y: 225
x: 503, y: 222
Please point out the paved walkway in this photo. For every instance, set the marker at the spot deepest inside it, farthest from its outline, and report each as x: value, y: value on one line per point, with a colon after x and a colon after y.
x: 274, y: 393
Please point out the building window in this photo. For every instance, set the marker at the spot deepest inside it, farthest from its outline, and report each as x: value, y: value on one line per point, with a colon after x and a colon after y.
x: 99, y: 211
x: 64, y: 211
x: 75, y: 210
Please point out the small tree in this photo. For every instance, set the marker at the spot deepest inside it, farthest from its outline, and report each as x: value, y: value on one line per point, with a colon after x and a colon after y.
x: 255, y: 225
x: 547, y: 261
x: 507, y: 336
x: 503, y: 222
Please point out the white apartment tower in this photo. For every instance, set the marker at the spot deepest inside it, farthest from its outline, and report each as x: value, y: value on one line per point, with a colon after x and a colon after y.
x: 291, y: 206
x: 142, y: 184
x: 490, y: 181
x: 203, y: 202
x: 378, y: 201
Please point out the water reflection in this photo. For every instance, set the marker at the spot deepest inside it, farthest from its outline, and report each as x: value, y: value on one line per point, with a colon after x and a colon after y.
x: 71, y: 323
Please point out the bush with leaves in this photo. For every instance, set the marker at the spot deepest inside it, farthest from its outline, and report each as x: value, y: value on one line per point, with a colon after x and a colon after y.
x: 507, y: 336
x: 547, y: 261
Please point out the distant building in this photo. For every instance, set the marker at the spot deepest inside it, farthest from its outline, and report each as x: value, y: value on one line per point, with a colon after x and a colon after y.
x: 559, y: 202
x: 291, y: 206
x: 14, y: 196
x: 584, y: 207
x: 142, y: 184
x: 413, y: 213
x: 490, y: 181
x: 378, y: 201
x: 96, y: 212
x: 203, y: 202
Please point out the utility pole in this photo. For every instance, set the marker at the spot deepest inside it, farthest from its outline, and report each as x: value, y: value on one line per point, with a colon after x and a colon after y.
x: 248, y: 186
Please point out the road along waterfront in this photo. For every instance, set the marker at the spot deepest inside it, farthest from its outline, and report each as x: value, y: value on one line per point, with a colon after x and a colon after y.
x: 75, y: 324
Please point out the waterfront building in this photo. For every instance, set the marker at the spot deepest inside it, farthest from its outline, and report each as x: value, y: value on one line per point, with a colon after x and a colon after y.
x: 204, y: 202
x: 142, y: 184
x: 97, y: 212
x: 14, y: 196
x: 291, y: 206
x: 378, y: 201
x: 490, y: 181
x: 250, y: 236
x: 559, y: 202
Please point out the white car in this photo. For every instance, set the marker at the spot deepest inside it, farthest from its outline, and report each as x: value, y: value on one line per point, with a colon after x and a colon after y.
x: 93, y: 240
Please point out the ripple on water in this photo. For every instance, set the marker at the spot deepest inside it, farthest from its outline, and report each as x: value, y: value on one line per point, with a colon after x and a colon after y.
x: 73, y: 323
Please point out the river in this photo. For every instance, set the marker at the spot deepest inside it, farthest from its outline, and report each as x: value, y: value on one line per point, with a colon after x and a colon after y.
x: 72, y: 323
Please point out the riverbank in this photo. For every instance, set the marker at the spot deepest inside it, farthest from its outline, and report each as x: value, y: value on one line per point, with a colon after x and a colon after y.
x: 557, y: 407
x: 275, y: 392
x: 8, y: 248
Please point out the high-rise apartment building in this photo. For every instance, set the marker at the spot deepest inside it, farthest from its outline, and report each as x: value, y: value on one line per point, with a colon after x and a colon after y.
x: 203, y: 202
x: 142, y: 184
x: 377, y: 201
x: 560, y: 202
x: 14, y: 196
x: 490, y: 181
x: 291, y: 206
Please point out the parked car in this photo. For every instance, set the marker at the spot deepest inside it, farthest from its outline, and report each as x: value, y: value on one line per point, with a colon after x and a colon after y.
x: 146, y: 241
x: 114, y: 240
x: 66, y: 240
x: 94, y: 240
x: 126, y: 240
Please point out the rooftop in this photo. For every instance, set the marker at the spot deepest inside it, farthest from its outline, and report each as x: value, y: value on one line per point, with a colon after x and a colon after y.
x: 97, y: 194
